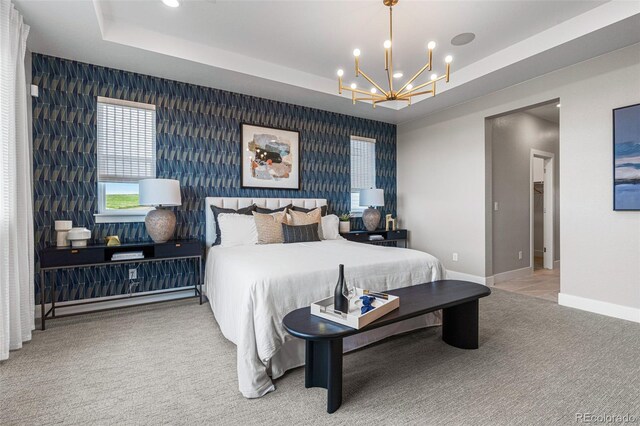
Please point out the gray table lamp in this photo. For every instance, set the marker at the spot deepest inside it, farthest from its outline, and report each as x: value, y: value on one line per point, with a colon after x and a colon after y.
x: 373, y: 198
x: 160, y: 193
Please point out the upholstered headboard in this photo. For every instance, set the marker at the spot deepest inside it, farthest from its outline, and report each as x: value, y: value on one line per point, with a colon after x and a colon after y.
x: 239, y: 202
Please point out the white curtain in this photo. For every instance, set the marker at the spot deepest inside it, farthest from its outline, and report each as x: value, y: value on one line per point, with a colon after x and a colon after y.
x: 16, y: 199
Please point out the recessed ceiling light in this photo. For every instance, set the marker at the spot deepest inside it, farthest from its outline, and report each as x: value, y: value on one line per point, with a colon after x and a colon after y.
x: 171, y: 3
x: 558, y: 105
x: 397, y: 75
x: 462, y: 39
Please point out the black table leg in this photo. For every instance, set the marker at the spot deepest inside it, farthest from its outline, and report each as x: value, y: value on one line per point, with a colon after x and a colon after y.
x: 323, y: 369
x: 43, y: 288
x: 53, y: 297
x: 460, y: 325
x: 200, y: 277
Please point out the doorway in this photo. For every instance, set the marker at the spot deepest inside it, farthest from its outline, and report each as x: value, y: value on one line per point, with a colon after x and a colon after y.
x: 522, y: 202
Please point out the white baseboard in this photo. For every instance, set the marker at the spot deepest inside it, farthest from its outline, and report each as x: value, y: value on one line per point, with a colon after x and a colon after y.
x: 512, y: 275
x: 598, y: 307
x: 453, y: 275
x: 160, y: 296
x: 556, y: 264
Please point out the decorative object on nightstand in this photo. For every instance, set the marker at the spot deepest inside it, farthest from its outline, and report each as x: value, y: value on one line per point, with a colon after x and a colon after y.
x: 345, y: 223
x: 390, y: 223
x: 78, y: 237
x: 373, y: 198
x: 112, y: 240
x: 62, y: 228
x: 160, y: 193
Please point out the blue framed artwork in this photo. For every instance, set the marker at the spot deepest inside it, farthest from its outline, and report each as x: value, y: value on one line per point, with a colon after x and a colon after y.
x: 626, y: 158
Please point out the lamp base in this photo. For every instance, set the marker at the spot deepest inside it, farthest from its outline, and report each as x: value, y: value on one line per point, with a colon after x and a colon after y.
x: 161, y: 224
x: 371, y: 218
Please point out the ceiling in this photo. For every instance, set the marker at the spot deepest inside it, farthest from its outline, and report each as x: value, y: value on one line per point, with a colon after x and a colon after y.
x: 549, y: 112
x: 290, y: 50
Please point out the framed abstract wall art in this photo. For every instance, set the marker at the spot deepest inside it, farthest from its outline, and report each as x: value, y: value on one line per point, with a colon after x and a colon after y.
x: 270, y: 157
x: 626, y: 158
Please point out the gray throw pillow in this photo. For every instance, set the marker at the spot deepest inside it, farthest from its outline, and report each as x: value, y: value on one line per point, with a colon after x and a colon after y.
x: 262, y: 210
x: 217, y: 210
x: 323, y: 209
x: 300, y: 234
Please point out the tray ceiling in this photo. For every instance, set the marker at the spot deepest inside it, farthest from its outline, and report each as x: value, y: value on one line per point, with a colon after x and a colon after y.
x: 290, y: 50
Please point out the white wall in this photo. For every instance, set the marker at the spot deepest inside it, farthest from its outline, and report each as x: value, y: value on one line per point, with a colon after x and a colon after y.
x: 442, y: 176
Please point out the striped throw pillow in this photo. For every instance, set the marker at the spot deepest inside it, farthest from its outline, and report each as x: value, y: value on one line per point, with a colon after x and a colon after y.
x: 307, y: 218
x: 300, y: 234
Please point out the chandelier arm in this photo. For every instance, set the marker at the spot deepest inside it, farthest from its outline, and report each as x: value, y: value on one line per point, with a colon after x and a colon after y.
x: 372, y: 99
x: 418, y: 87
x: 390, y: 67
x: 413, y: 89
x: 406, y: 96
x: 374, y: 83
x: 416, y: 75
x: 363, y: 92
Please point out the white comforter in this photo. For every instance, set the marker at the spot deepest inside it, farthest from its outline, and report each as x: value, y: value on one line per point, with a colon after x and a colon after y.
x: 252, y: 288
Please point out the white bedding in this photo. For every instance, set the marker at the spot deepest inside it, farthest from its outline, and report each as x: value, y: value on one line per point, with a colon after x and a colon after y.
x: 252, y: 288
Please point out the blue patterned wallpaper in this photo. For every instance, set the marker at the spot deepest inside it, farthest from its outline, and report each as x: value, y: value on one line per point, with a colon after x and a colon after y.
x: 198, y: 142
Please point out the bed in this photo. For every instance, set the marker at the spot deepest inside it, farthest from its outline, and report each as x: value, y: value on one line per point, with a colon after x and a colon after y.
x: 251, y: 288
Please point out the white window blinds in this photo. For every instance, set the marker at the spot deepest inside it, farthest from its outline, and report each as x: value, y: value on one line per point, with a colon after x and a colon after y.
x: 126, y: 141
x: 363, y: 163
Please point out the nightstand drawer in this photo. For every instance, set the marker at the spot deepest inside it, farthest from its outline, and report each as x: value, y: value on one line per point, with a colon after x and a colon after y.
x: 357, y: 236
x: 400, y: 234
x: 54, y: 258
x: 177, y: 249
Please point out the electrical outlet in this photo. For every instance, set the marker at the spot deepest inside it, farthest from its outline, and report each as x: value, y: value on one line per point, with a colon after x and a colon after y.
x: 495, y: 206
x: 520, y: 255
x: 133, y: 274
x: 455, y: 257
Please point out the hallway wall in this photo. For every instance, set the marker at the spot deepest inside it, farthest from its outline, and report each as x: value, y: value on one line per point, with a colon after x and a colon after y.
x: 513, y: 137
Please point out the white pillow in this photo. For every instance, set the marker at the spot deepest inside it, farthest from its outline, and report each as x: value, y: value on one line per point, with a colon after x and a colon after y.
x: 330, y: 225
x: 237, y: 230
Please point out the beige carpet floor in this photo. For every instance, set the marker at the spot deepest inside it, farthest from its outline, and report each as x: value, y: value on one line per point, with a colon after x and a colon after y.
x: 538, y: 363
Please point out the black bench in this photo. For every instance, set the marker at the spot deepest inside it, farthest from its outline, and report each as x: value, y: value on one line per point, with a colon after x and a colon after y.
x: 323, y: 359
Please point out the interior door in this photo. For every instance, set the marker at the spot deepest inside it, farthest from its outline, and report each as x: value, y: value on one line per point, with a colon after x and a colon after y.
x: 548, y: 213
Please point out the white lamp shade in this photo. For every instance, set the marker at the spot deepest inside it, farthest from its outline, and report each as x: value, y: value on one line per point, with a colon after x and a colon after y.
x: 372, y: 197
x: 160, y: 192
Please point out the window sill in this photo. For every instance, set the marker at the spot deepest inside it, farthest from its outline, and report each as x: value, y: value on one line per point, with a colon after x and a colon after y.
x: 117, y: 217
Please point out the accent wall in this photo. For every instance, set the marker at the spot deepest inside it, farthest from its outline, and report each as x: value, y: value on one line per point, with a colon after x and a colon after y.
x: 198, y: 142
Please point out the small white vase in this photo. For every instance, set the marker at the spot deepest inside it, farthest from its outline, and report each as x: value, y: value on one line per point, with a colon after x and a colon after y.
x: 345, y: 227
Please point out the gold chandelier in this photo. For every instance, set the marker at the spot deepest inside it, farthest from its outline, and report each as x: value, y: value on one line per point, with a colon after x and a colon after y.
x: 377, y: 94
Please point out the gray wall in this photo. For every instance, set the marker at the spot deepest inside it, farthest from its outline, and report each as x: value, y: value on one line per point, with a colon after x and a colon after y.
x: 442, y: 176
x: 513, y: 138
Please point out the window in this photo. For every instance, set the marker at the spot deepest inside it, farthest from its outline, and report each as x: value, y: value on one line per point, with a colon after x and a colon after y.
x: 126, y: 154
x: 363, y: 170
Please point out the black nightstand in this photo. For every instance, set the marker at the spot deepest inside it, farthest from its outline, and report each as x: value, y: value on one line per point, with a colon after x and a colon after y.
x: 389, y: 238
x: 54, y: 258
